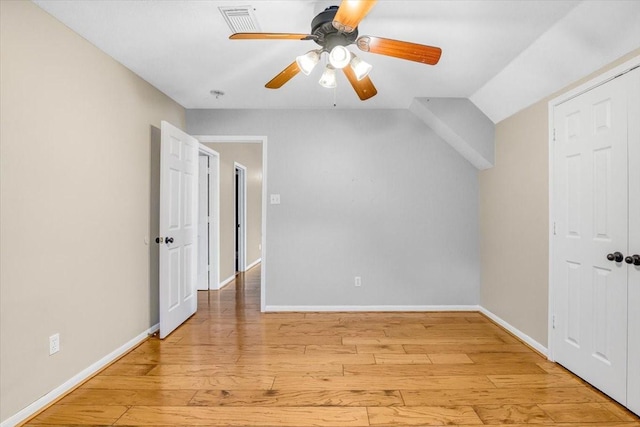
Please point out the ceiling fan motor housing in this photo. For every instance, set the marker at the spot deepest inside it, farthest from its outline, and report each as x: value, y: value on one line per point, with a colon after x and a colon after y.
x: 326, y: 34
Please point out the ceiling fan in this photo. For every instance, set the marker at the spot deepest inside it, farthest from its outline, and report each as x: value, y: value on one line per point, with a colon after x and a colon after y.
x: 333, y: 30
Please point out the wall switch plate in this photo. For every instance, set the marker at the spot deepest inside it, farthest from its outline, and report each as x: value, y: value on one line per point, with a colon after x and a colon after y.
x: 275, y: 199
x: 358, y: 281
x: 54, y: 344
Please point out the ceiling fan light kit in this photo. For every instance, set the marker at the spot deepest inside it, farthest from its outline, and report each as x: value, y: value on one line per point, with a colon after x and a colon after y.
x: 328, y: 78
x: 333, y: 30
x: 360, y: 67
x: 308, y: 61
x: 339, y: 57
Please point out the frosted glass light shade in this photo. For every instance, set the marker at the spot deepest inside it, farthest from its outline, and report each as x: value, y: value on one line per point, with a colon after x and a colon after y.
x: 360, y: 68
x: 308, y: 61
x: 328, y: 78
x: 339, y: 57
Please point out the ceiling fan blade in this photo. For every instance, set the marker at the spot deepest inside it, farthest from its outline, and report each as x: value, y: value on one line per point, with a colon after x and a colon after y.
x: 271, y: 36
x: 284, y: 76
x: 399, y: 49
x: 364, y: 88
x: 350, y: 13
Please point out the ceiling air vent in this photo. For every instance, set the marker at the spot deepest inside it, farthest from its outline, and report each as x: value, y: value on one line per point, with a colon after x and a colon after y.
x: 240, y: 19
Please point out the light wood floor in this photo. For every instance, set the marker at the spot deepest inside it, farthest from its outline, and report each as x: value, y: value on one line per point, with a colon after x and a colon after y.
x: 232, y: 365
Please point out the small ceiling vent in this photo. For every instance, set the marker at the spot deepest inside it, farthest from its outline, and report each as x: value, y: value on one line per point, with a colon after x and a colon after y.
x: 240, y: 19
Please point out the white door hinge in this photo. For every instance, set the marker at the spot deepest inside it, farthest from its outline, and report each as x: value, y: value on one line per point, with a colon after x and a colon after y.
x: 554, y: 134
x: 553, y: 321
x: 554, y: 228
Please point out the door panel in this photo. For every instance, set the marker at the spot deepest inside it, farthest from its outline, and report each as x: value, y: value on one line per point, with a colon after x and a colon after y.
x: 178, y: 208
x: 590, y: 195
x: 203, y: 223
x: 633, y: 391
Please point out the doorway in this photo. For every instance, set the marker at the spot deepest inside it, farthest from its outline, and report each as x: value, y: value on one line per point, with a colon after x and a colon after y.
x: 208, y: 276
x: 240, y: 192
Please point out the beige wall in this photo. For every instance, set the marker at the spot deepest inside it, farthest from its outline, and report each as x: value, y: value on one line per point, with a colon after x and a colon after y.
x: 514, y: 219
x: 75, y: 142
x: 250, y: 156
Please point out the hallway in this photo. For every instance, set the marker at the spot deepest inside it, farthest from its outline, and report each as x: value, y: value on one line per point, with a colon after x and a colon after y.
x: 232, y: 365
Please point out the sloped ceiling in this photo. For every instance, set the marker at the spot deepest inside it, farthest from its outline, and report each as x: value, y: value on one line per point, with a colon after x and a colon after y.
x: 501, y: 54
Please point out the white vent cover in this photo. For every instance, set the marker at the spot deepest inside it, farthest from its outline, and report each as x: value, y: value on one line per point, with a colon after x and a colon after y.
x: 240, y: 19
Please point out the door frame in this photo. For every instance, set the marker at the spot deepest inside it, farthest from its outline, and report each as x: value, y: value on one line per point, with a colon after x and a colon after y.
x: 240, y: 193
x: 257, y: 139
x: 603, y: 78
x: 214, y: 214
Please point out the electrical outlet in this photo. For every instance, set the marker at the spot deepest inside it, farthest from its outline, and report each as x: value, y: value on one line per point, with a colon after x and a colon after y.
x: 358, y: 281
x: 54, y: 344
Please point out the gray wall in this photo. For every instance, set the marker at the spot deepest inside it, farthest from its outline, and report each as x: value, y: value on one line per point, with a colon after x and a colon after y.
x: 371, y: 193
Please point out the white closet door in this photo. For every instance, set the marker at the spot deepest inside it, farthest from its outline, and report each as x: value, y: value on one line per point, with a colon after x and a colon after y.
x: 590, y: 191
x: 633, y: 391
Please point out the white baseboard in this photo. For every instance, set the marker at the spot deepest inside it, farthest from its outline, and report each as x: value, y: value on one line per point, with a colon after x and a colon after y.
x: 226, y: 281
x: 253, y: 264
x: 81, y: 376
x: 517, y: 332
x: 390, y: 308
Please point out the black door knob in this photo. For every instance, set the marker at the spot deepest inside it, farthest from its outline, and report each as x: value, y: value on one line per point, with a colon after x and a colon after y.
x: 633, y: 259
x: 170, y: 240
x: 616, y: 256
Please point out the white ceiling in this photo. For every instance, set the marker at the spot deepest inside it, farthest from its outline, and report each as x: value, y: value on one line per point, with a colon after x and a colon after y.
x: 489, y: 48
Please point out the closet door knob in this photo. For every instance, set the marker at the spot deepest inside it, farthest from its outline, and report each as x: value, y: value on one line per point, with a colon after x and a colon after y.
x: 170, y: 240
x: 616, y: 256
x: 633, y: 259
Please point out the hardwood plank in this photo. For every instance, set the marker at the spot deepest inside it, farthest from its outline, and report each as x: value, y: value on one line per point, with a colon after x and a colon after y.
x: 80, y: 414
x: 178, y: 359
x: 153, y: 397
x: 221, y: 349
x: 244, y: 416
x: 619, y: 410
x: 466, y: 348
x: 510, y: 414
x: 297, y: 398
x: 401, y: 359
x: 579, y: 413
x: 246, y: 370
x: 393, y: 348
x: 305, y: 359
x: 180, y: 382
x: 423, y: 415
x: 365, y: 382
x: 501, y: 396
x: 451, y: 339
x: 449, y: 358
x: 128, y: 369
x: 330, y: 349
x: 439, y: 370
x: 257, y: 339
x: 534, y: 380
x: 530, y: 357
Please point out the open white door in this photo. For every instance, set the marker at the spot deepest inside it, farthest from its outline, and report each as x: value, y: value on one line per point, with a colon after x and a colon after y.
x: 178, y: 227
